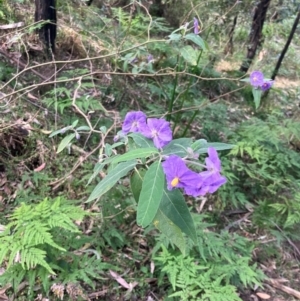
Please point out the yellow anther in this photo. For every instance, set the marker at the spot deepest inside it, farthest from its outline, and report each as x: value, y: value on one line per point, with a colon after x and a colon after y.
x: 175, y: 182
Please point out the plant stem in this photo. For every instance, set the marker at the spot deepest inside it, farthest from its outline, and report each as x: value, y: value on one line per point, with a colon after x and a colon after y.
x: 185, y: 93
x: 171, y: 102
x: 190, y: 122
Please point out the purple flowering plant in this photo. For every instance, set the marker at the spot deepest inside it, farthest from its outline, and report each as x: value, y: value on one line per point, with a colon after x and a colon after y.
x: 258, y: 81
x: 164, y: 171
x: 259, y: 85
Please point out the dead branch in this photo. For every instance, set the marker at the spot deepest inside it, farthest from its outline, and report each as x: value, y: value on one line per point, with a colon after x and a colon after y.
x: 284, y: 288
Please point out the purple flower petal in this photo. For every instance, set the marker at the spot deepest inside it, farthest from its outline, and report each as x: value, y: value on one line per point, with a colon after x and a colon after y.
x: 267, y: 85
x: 256, y: 79
x: 211, y: 179
x: 134, y: 122
x: 206, y: 185
x: 213, y: 162
x: 177, y: 173
x: 150, y: 58
x: 134, y: 60
x: 196, y: 26
x: 159, y: 130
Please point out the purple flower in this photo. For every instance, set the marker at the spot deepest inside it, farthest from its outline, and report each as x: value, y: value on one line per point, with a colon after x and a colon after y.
x: 178, y: 175
x: 213, y: 163
x: 256, y: 79
x: 150, y: 58
x: 267, y: 85
x: 196, y: 26
x: 134, y: 60
x: 206, y: 185
x: 159, y: 130
x: 134, y: 122
x: 211, y: 179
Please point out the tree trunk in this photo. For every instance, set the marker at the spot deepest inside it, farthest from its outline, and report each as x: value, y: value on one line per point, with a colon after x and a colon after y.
x: 45, y: 11
x: 255, y: 36
x: 286, y: 47
x: 229, y: 46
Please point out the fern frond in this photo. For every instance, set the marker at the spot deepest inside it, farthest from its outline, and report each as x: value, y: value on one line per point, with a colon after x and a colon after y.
x: 37, y: 233
x: 31, y: 257
x: 62, y: 220
x: 6, y: 242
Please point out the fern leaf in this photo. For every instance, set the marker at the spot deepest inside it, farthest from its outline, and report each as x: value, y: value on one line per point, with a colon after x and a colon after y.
x: 31, y: 257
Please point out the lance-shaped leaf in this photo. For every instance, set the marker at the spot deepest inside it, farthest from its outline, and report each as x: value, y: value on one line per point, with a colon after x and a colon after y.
x: 177, y: 147
x: 141, y: 140
x: 136, y: 153
x: 136, y: 183
x: 200, y: 146
x: 170, y: 230
x: 151, y: 194
x: 111, y: 179
x: 257, y: 96
x: 65, y: 142
x: 174, y: 207
x: 189, y: 54
x: 197, y: 40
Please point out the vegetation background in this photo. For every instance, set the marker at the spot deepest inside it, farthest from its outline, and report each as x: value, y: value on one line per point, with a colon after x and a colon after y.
x: 61, y: 107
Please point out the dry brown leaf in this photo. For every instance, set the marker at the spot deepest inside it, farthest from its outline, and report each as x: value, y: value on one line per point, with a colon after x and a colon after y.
x: 119, y: 279
x: 40, y: 168
x: 263, y: 296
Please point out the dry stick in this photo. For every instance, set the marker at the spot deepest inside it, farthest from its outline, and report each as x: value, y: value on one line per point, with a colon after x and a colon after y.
x: 238, y: 221
x: 107, y: 56
x: 79, y: 111
x: 86, y: 59
x: 284, y: 288
x: 124, y: 74
x: 81, y: 159
x: 289, y: 241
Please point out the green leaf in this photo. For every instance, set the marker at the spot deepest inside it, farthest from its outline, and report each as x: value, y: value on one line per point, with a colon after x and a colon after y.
x: 111, y: 179
x: 83, y: 128
x: 189, y: 54
x: 117, y: 144
x: 60, y: 131
x: 108, y: 150
x: 174, y: 207
x: 200, y: 146
x: 136, y: 182
x: 257, y: 96
x: 103, y: 129
x: 98, y: 167
x: 65, y: 142
x: 197, y: 40
x: 141, y: 141
x: 178, y: 147
x: 75, y: 123
x: 170, y: 230
x: 175, y: 37
x: 136, y: 153
x: 151, y: 193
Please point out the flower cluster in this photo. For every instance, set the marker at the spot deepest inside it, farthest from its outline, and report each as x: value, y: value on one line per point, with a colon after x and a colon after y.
x: 257, y: 80
x: 178, y: 175
x: 153, y: 128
